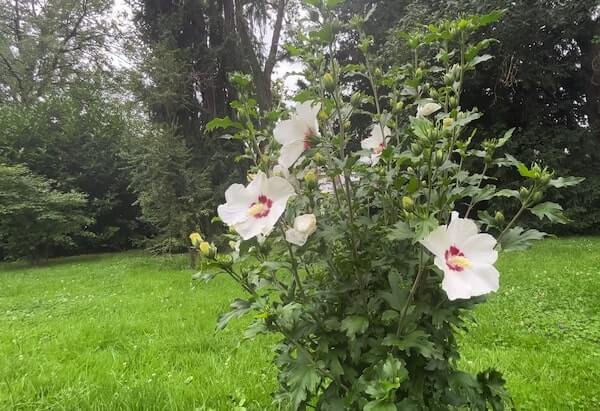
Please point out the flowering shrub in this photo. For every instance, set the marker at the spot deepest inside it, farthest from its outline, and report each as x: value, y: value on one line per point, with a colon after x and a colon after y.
x: 365, y: 250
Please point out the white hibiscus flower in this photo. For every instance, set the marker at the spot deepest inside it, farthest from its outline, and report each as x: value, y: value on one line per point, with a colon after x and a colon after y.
x: 254, y: 210
x: 427, y: 109
x: 466, y: 257
x: 304, y: 226
x: 376, y: 143
x: 295, y: 134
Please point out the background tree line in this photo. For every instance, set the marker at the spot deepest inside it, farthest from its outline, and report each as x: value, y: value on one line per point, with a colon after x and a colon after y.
x: 117, y: 153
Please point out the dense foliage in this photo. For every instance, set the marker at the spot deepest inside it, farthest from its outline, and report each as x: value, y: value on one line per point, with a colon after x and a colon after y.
x: 334, y: 244
x: 34, y: 217
x: 545, y: 83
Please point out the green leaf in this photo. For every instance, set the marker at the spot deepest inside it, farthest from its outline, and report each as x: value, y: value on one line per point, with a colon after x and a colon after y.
x: 518, y: 238
x: 380, y: 405
x: 302, y: 377
x: 561, y: 182
x: 552, y: 211
x: 239, y: 308
x: 400, y: 231
x: 353, y: 325
x: 525, y: 171
x: 417, y: 340
x: 224, y: 122
x: 481, y: 59
x: 507, y: 193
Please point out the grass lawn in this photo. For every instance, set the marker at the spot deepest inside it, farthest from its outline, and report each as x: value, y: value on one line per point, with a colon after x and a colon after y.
x: 127, y: 331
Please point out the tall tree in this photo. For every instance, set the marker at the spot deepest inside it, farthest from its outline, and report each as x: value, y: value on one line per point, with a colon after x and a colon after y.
x: 190, y: 49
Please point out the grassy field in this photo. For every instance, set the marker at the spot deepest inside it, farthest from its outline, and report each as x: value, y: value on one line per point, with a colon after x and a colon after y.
x: 127, y: 331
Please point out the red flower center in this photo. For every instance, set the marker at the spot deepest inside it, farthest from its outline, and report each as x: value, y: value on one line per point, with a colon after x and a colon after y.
x: 379, y: 149
x: 307, y: 137
x: 261, y: 208
x: 455, y: 259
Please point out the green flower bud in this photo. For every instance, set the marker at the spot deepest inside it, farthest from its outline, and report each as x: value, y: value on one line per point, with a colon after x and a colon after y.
x: 407, y: 203
x: 523, y: 193
x: 319, y: 159
x: 453, y: 102
x: 439, y: 157
x: 355, y: 99
x: 416, y: 149
x: 537, y: 197
x: 329, y: 82
x: 398, y: 107
x: 310, y: 178
x: 499, y: 217
x: 207, y: 249
x: 433, y: 93
x: 323, y: 115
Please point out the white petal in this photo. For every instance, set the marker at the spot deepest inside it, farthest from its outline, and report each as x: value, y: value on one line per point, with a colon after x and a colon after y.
x: 290, y: 153
x: 278, y: 188
x: 232, y: 215
x: 364, y: 160
x: 438, y: 241
x: 475, y: 281
x: 483, y: 279
x: 460, y: 229
x: 455, y: 286
x: 290, y: 131
x: 375, y: 158
x: 249, y: 228
x: 268, y: 222
x: 480, y: 249
x: 237, y: 194
x: 295, y: 237
x: 307, y: 112
x: 256, y: 186
x: 371, y: 143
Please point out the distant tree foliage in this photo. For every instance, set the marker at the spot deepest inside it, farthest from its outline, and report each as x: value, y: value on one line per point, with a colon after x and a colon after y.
x: 544, y: 80
x: 34, y: 217
x: 45, y: 45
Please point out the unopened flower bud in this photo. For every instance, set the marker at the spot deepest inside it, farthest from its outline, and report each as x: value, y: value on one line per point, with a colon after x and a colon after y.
x: 377, y: 72
x: 329, y: 82
x: 310, y: 178
x: 433, y: 93
x: 323, y: 115
x: 419, y: 72
x: 355, y: 99
x: 453, y: 102
x: 207, y: 249
x: 447, y: 122
x: 546, y: 179
x: 537, y: 197
x: 398, y: 107
x: 319, y: 159
x: 407, y: 203
x: 499, y: 217
x: 439, y: 157
x: 523, y: 193
x: 196, y: 239
x: 416, y: 149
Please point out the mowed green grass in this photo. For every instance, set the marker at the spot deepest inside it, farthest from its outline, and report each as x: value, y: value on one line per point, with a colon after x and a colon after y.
x: 128, y: 331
